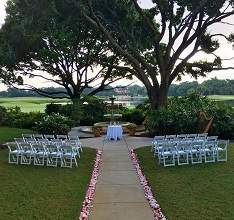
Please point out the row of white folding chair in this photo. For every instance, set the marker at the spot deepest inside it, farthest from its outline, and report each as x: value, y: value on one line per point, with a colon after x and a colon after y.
x: 50, y: 137
x: 181, y: 136
x: 184, y: 142
x: 160, y: 139
x: 184, y: 152
x: 73, y: 142
x: 25, y: 153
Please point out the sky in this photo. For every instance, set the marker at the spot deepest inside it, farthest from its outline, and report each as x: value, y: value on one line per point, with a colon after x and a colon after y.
x: 225, y: 51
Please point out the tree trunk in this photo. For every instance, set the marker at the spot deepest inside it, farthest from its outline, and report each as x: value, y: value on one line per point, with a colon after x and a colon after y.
x: 158, y: 97
x: 76, y: 111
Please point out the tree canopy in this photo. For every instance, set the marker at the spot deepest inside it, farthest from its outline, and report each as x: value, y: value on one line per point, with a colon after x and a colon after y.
x: 158, y: 43
x: 47, y: 40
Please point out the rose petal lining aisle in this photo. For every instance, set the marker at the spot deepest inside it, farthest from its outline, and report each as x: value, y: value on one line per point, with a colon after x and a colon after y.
x: 158, y: 215
x: 91, y: 189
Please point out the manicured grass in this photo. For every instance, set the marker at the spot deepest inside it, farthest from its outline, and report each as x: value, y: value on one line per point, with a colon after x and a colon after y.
x: 30, y: 104
x: 192, y: 192
x: 8, y: 134
x: 222, y: 97
x: 31, y: 192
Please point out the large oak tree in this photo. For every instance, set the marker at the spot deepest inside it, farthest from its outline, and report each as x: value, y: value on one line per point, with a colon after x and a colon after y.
x: 158, y: 43
x: 46, y: 40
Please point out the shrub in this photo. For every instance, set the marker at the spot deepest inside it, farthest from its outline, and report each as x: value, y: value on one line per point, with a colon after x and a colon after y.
x: 134, y: 115
x: 53, y: 108
x: 3, y: 116
x: 28, y: 120
x: 54, y: 124
x: 181, y: 116
x: 223, y: 125
x: 66, y: 110
x: 93, y: 111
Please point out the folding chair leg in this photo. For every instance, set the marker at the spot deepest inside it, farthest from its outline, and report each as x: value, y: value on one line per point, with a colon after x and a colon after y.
x: 12, y: 159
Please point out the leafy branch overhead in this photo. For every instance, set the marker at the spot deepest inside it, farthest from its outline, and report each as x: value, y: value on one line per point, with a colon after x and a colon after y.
x: 47, y: 40
x: 160, y: 41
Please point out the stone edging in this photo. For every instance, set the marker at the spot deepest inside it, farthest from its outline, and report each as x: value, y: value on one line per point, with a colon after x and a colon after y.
x: 84, y: 214
x: 158, y: 215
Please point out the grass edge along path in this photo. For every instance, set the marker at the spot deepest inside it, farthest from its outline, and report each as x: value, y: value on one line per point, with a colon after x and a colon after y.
x: 203, y: 191
x: 85, y: 212
x: 32, y: 192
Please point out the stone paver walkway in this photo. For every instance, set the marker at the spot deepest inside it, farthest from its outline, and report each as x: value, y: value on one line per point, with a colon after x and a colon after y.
x: 119, y: 195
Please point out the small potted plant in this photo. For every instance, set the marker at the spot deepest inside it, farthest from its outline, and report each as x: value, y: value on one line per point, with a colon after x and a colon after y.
x: 97, y: 131
x: 131, y: 129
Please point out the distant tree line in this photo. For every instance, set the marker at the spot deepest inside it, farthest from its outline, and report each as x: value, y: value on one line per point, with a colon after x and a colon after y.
x: 209, y: 87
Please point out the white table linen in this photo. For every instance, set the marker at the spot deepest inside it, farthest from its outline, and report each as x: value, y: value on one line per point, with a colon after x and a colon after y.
x: 114, y: 132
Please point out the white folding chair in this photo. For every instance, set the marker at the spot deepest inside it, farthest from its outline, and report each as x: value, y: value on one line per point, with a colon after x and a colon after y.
x: 14, y: 153
x: 196, y: 149
x: 53, y: 155
x: 26, y: 153
x: 181, y: 136
x: 43, y: 141
x: 202, y: 135
x: 170, y: 137
x: 57, y: 142
x: 75, y: 145
x: 68, y: 156
x: 209, y: 151
x: 38, y: 136
x: 49, y: 136
x: 211, y: 138
x: 155, y: 140
x: 31, y: 140
x: 191, y: 135
x: 39, y: 154
x: 221, y: 149
x: 168, y: 154
x: 26, y: 136
x: 158, y: 147
x: 182, y: 152
x: 61, y: 136
x: 19, y: 140
x: 77, y: 139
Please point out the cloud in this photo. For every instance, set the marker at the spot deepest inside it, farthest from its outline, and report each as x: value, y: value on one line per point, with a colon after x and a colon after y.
x: 2, y: 11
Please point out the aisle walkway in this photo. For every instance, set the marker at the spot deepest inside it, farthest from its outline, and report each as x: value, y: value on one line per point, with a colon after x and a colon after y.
x: 119, y: 195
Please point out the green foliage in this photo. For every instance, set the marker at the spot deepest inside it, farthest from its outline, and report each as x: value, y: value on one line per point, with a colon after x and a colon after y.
x: 133, y: 115
x: 92, y: 111
x: 13, y: 117
x: 209, y: 87
x: 3, y: 116
x: 223, y: 121
x: 52, y: 37
x: 181, y: 116
x: 53, y: 108
x: 53, y: 124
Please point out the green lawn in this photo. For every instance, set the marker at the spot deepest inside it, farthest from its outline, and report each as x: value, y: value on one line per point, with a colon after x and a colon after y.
x: 8, y: 134
x: 192, y: 192
x: 222, y: 97
x: 30, y: 104
x: 31, y: 193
